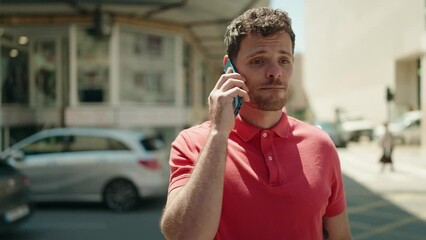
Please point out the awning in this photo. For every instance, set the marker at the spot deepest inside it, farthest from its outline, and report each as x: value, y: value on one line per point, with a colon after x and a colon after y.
x: 205, y: 20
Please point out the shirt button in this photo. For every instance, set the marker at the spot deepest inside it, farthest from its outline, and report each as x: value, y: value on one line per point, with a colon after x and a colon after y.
x: 265, y: 134
x: 270, y: 158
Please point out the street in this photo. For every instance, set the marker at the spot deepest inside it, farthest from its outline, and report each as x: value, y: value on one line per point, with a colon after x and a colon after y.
x: 381, y: 205
x: 385, y: 204
x: 90, y: 221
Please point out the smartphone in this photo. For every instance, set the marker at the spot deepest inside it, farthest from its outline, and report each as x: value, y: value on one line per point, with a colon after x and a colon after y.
x: 238, y: 101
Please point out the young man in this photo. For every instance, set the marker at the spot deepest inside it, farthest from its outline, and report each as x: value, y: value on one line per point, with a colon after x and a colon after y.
x: 262, y: 174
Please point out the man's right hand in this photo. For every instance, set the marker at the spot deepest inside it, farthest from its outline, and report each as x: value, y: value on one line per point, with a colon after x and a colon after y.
x: 221, y: 112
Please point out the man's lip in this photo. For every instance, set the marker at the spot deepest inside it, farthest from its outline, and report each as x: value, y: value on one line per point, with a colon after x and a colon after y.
x: 273, y: 88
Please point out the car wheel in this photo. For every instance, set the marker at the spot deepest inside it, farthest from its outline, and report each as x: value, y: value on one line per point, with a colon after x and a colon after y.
x: 121, y: 195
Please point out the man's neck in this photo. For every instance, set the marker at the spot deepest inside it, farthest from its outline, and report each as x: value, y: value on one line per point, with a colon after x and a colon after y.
x: 259, y: 118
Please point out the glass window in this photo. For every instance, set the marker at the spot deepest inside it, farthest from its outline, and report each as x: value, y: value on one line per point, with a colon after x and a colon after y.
x: 187, y: 63
x: 92, y: 68
x: 147, y: 68
x: 5, y: 168
x: 44, y: 61
x: 91, y: 143
x: 45, y: 145
x: 13, y: 69
x: 152, y: 143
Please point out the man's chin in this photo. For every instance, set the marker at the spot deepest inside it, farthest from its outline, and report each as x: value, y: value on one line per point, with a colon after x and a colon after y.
x: 274, y: 106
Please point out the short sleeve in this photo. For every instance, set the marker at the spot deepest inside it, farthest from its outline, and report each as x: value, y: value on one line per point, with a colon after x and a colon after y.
x: 337, y: 199
x: 184, y: 152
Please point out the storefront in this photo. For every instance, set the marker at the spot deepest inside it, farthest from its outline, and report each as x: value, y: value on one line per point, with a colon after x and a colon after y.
x: 64, y: 76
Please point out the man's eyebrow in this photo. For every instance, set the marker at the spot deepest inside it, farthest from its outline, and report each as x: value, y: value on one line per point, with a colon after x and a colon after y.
x: 286, y: 53
x: 257, y: 52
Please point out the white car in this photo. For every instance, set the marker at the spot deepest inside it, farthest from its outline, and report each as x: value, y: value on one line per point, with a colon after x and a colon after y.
x: 115, y: 166
x: 356, y: 128
x: 406, y: 129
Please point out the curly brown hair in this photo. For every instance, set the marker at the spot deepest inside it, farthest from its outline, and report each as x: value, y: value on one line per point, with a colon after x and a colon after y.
x: 263, y: 21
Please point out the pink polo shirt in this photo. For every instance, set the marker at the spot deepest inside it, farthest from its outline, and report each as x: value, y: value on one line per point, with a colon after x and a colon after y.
x: 279, y: 182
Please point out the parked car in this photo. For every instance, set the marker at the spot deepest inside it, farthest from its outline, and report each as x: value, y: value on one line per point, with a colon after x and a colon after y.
x: 406, y: 129
x: 337, y: 135
x: 15, y: 197
x: 115, y: 166
x: 358, y: 127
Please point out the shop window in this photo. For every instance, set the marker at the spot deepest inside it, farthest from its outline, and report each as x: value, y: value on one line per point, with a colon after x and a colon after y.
x: 44, y: 59
x: 147, y: 68
x: 13, y: 70
x: 189, y: 71
x: 92, y: 68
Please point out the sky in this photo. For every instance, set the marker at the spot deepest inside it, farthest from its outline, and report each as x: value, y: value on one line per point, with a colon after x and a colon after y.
x: 295, y: 9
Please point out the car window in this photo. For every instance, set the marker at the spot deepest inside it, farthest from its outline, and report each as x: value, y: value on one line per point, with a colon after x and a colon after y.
x: 91, y: 143
x: 4, y: 168
x: 414, y: 124
x: 327, y: 126
x: 152, y: 143
x: 46, y: 145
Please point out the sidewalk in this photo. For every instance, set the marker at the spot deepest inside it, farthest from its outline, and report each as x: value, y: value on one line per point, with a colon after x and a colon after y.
x: 385, y: 205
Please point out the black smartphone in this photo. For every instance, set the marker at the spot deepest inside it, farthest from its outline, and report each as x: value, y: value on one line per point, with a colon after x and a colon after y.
x: 238, y: 101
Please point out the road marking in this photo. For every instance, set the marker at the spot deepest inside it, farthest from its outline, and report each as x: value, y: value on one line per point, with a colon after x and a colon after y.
x: 387, y: 228
x: 368, y: 206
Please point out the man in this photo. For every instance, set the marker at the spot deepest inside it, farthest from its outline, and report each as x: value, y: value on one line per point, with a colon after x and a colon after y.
x: 262, y: 174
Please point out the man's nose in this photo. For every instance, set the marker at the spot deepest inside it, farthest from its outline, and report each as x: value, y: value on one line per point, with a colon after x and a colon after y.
x: 274, y: 71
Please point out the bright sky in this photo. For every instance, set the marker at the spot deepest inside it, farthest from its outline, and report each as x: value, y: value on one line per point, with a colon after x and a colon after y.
x: 295, y: 8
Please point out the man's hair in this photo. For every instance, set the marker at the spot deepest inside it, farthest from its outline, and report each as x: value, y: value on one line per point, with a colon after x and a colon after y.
x: 262, y: 21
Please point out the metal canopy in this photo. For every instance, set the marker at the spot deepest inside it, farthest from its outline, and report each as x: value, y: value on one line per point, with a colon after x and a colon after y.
x: 204, y: 19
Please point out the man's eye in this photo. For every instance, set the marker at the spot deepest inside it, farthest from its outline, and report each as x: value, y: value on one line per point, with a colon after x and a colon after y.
x: 257, y: 62
x: 285, y: 61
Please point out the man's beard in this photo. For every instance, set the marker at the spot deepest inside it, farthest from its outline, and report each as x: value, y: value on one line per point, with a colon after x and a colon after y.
x: 270, y: 103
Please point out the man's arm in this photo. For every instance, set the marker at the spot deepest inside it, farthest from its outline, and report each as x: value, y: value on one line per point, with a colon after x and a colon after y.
x: 338, y: 227
x: 193, y: 211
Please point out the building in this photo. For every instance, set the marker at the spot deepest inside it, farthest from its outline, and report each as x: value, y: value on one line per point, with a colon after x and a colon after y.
x: 129, y: 64
x: 357, y: 49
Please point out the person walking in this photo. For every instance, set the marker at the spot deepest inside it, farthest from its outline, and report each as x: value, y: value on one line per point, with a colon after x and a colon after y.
x: 260, y: 174
x: 387, y: 144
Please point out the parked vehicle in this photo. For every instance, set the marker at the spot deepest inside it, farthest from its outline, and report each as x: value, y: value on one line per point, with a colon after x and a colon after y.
x: 15, y: 197
x: 356, y: 128
x: 337, y: 135
x: 115, y: 166
x: 405, y: 130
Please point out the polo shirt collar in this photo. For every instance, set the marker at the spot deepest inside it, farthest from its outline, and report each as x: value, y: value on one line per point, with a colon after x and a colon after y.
x: 246, y: 131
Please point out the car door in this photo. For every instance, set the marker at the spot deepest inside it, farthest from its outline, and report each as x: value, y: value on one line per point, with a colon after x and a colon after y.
x: 39, y: 163
x: 411, y: 133
x: 83, y: 166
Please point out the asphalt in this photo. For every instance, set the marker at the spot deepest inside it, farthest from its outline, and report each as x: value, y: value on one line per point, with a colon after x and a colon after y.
x: 385, y: 204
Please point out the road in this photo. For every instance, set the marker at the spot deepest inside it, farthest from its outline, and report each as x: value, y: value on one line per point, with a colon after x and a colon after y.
x: 83, y: 221
x: 385, y: 204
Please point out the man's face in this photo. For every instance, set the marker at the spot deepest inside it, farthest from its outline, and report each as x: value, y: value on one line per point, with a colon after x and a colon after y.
x: 267, y: 65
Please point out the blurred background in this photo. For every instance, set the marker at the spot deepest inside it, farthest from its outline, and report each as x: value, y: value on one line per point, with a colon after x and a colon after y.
x: 147, y: 66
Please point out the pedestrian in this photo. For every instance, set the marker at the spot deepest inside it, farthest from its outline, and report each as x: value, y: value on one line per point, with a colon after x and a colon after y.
x: 387, y: 143
x: 260, y: 174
